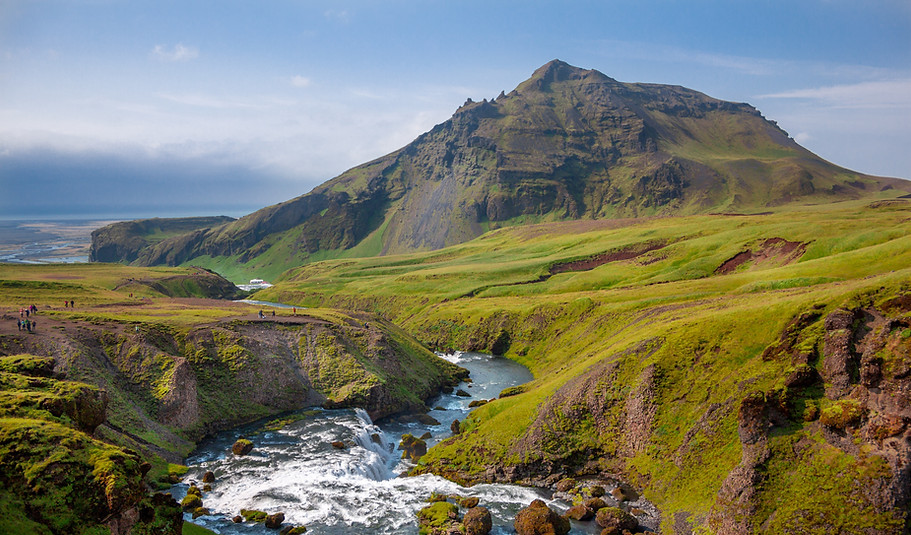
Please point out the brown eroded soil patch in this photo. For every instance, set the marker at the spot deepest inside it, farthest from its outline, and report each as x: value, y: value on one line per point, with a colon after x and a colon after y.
x: 619, y: 255
x: 772, y: 251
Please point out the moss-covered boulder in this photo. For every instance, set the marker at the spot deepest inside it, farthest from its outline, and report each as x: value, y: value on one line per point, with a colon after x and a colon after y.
x: 613, y: 517
x: 438, y: 518
x: 242, y: 447
x: 191, y: 502
x: 412, y: 447
x: 477, y: 521
x: 274, y: 521
x: 580, y: 512
x: 254, y: 515
x: 538, y: 519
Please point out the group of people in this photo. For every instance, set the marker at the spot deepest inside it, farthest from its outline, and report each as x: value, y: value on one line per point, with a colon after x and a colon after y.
x: 25, y: 322
x: 72, y: 304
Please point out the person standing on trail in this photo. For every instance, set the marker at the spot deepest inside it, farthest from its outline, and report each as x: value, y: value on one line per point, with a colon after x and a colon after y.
x: 19, y: 324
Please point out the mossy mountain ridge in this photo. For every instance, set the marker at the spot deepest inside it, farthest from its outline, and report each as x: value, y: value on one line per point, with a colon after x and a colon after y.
x: 567, y: 143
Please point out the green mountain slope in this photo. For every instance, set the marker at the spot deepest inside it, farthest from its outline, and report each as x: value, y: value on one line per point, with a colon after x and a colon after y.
x: 747, y: 374
x: 566, y: 144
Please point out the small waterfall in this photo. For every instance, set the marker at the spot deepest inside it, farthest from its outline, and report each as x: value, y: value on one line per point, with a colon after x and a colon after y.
x: 300, y: 470
x: 376, y: 464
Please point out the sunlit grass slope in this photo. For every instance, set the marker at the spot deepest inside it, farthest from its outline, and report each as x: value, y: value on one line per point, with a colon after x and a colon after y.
x: 645, y: 336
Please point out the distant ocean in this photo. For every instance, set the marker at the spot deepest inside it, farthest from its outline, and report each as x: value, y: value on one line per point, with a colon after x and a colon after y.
x: 39, y: 241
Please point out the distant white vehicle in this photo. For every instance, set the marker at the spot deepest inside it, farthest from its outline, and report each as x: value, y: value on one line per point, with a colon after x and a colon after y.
x: 255, y: 284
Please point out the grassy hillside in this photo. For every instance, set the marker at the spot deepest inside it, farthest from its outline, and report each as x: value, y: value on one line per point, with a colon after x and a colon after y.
x: 746, y: 373
x: 145, y: 364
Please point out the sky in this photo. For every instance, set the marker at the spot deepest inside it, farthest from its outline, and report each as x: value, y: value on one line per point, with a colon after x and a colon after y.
x: 132, y: 109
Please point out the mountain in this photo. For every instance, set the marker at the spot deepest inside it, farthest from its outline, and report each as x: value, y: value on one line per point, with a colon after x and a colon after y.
x: 567, y: 143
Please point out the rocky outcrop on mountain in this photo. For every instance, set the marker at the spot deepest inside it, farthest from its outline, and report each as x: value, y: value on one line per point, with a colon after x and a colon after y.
x: 122, y: 241
x: 568, y: 143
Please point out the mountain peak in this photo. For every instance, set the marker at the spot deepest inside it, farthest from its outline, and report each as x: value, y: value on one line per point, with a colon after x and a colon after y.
x: 568, y: 143
x: 559, y: 71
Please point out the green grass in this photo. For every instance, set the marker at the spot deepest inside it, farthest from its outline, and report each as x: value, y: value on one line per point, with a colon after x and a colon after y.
x: 705, y: 334
x: 190, y: 528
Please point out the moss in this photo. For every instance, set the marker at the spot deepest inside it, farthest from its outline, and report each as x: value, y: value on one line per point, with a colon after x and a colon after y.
x: 436, y: 517
x: 254, y: 515
x: 191, y: 502
x: 67, y: 479
x: 841, y: 414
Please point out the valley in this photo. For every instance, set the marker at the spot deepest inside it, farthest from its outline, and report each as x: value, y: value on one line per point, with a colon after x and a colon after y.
x: 715, y: 320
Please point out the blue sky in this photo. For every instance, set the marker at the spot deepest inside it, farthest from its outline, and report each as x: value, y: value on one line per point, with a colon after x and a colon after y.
x: 137, y: 108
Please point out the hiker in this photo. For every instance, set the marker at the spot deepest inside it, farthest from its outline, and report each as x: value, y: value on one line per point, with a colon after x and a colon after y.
x: 66, y: 304
x: 294, y: 311
x: 34, y: 325
x: 19, y: 324
x: 261, y: 315
x: 273, y: 313
x: 28, y: 325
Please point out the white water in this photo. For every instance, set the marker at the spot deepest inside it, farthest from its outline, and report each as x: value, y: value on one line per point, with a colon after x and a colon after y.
x: 358, y: 489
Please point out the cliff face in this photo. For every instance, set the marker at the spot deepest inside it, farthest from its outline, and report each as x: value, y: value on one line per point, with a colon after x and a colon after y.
x: 55, y: 476
x: 121, y: 242
x: 567, y: 143
x: 156, y: 390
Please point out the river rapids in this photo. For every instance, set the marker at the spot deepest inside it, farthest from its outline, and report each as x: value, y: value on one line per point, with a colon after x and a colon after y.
x: 295, y: 469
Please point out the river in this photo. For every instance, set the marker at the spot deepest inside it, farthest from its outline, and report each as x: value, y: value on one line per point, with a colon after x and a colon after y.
x: 360, y: 489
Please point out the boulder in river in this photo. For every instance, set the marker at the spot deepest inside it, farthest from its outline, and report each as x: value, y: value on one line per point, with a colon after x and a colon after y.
x: 580, y: 512
x: 538, y: 518
x: 427, y: 419
x: 412, y: 447
x: 477, y: 521
x: 274, y: 521
x: 613, y: 517
x: 191, y: 502
x: 242, y: 447
x: 208, y: 477
x: 338, y: 444
x: 455, y: 427
x: 439, y: 518
x: 566, y: 484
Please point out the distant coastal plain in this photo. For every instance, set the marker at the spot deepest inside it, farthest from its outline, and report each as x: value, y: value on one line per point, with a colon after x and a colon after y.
x: 47, y: 241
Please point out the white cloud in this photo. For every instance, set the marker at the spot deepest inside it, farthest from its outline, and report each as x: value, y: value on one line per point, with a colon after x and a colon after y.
x: 655, y: 52
x: 206, y: 101
x: 338, y: 15
x: 864, y: 95
x: 300, y: 81
x: 178, y: 52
